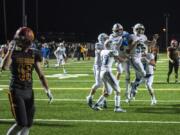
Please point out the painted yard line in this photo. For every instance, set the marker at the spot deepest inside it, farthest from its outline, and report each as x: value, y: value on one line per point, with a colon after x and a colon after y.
x: 98, y: 121
x: 84, y: 100
x: 66, y: 80
x: 71, y: 89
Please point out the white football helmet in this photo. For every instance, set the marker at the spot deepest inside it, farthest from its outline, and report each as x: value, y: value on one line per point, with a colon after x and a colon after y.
x: 117, y: 29
x: 138, y: 29
x: 102, y: 37
x: 61, y: 44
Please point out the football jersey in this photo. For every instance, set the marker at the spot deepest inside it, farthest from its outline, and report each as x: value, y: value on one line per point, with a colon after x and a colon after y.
x: 136, y: 51
x: 107, y: 58
x: 173, y: 52
x: 120, y: 42
x: 60, y: 51
x: 148, y: 67
x: 116, y: 41
x: 22, y: 67
x: 98, y: 47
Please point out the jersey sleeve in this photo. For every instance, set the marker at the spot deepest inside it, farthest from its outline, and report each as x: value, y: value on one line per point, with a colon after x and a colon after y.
x: 38, y: 57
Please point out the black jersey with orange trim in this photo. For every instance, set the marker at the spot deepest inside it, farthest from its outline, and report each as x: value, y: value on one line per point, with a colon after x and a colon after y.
x: 22, y: 67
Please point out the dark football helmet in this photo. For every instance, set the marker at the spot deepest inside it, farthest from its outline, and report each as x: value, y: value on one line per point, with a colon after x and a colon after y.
x: 24, y: 37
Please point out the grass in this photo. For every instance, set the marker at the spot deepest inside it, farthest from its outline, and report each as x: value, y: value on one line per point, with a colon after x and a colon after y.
x: 70, y: 115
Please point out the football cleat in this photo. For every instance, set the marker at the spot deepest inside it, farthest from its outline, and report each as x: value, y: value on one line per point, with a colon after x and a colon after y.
x: 153, y: 102
x: 89, y: 101
x: 118, y: 109
x: 97, y: 108
x: 104, y: 105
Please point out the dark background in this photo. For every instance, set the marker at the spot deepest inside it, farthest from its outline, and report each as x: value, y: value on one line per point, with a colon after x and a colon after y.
x: 88, y: 18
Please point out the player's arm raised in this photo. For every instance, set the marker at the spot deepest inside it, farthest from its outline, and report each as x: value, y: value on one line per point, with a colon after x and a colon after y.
x: 154, y: 41
x: 7, y: 58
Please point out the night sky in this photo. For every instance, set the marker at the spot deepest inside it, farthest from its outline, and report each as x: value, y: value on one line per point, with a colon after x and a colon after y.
x: 90, y: 17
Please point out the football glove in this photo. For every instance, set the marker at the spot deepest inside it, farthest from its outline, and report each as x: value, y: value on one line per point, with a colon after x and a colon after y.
x: 49, y: 95
x: 12, y: 45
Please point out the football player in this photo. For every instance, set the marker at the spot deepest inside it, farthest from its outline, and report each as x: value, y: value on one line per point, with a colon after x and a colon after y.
x: 107, y: 57
x: 138, y: 40
x: 173, y: 57
x: 60, y: 54
x: 148, y: 60
x: 22, y: 61
x: 119, y: 39
x: 99, y: 46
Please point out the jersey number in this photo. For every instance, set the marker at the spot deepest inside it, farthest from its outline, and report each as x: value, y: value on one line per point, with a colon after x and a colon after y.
x: 24, y: 72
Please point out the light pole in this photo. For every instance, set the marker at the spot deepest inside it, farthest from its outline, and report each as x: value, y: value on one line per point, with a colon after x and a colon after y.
x: 5, y: 22
x: 24, y: 17
x: 37, y: 27
x: 167, y: 28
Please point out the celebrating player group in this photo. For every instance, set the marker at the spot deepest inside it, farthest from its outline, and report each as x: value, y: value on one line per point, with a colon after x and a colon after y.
x: 125, y: 50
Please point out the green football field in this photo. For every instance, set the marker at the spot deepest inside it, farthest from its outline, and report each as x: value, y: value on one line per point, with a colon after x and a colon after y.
x: 69, y: 113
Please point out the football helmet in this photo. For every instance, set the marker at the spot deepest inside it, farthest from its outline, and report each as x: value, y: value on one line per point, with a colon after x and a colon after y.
x: 61, y: 44
x: 138, y: 29
x: 117, y: 29
x: 24, y: 36
x: 174, y: 43
x: 102, y: 37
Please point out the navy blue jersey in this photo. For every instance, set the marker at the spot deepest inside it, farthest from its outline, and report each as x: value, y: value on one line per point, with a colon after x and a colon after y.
x: 22, y: 67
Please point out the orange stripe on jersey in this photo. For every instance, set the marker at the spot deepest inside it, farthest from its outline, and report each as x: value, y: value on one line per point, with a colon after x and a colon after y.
x: 12, y: 104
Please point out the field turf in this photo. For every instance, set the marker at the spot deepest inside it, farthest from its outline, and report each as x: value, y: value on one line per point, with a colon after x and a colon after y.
x: 69, y: 113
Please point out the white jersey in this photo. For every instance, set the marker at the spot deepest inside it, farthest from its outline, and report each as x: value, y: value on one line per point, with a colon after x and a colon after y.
x: 60, y: 52
x: 107, y: 58
x: 116, y: 41
x: 98, y: 47
x: 148, y: 67
x: 137, y: 49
